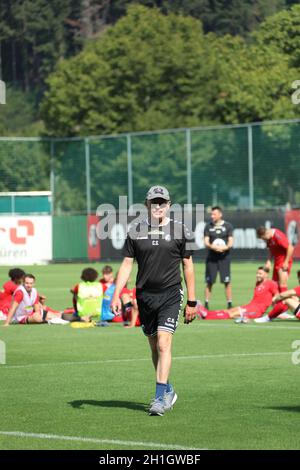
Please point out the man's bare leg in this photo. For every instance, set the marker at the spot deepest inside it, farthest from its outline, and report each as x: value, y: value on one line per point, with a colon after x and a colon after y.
x: 165, y: 396
x: 164, y: 346
x: 154, y: 352
x: 283, y: 280
x: 228, y: 293
x: 207, y: 293
x: 292, y: 303
x: 35, y: 318
x: 161, y: 349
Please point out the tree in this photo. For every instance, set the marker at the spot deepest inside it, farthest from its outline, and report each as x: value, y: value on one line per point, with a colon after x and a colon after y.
x: 19, y: 115
x: 34, y: 36
x: 94, y: 15
x: 154, y: 71
x: 237, y: 17
x: 253, y: 84
x: 281, y: 32
x: 147, y: 71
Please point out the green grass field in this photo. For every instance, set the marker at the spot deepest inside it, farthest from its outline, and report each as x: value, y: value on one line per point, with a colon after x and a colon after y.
x: 237, y: 385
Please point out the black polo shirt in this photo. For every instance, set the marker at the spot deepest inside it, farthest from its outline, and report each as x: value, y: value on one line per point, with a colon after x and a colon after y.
x: 158, y: 251
x: 214, y: 231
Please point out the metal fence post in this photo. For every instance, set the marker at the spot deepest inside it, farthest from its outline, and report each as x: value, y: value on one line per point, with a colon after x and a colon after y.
x: 129, y: 170
x: 87, y: 175
x: 250, y: 167
x: 52, y: 175
x: 188, y: 165
x: 13, y: 205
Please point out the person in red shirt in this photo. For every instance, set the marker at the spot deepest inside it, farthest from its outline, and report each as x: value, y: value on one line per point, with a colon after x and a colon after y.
x: 288, y: 299
x: 264, y: 291
x: 281, y: 250
x: 291, y: 299
x: 16, y: 278
x: 130, y: 309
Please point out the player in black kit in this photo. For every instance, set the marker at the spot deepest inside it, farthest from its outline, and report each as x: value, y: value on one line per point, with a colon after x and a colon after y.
x: 218, y: 239
x: 159, y: 245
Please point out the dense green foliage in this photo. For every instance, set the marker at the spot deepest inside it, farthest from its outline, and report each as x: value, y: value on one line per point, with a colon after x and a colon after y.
x: 154, y: 71
x: 159, y: 66
x: 156, y: 67
x: 36, y: 34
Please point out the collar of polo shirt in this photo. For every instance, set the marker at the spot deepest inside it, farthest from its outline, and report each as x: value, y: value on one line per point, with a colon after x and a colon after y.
x: 162, y: 224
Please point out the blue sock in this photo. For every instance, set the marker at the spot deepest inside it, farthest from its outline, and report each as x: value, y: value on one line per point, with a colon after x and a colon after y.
x: 160, y: 390
x: 169, y: 387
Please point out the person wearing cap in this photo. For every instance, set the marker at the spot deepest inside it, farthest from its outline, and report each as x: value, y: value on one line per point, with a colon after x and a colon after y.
x: 159, y: 245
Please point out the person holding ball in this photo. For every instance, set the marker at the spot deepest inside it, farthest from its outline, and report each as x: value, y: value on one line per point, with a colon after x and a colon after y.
x: 218, y: 239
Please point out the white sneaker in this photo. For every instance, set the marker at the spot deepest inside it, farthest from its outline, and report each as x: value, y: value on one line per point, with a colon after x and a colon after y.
x: 241, y: 320
x: 57, y: 321
x: 286, y: 316
x: 264, y: 319
x: 2, y: 316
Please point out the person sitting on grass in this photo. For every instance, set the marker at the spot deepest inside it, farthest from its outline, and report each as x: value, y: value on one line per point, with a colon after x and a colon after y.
x: 108, y: 278
x: 87, y: 296
x: 127, y: 302
x: 26, y: 307
x: 264, y: 291
x: 290, y: 298
x: 130, y: 310
x: 16, y: 278
x: 281, y: 303
x: 109, y: 285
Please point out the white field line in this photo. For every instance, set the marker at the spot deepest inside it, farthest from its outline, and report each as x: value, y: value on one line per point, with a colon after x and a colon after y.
x: 94, y: 440
x: 245, y: 327
x: 144, y: 359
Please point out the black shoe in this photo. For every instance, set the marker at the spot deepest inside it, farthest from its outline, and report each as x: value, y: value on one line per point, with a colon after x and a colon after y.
x: 206, y: 305
x: 229, y: 304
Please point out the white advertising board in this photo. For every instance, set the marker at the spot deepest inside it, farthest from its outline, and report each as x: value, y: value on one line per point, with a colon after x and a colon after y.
x: 25, y: 240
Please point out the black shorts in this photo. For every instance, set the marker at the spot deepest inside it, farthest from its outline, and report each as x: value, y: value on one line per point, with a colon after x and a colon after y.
x: 297, y: 310
x: 213, y: 266
x: 159, y: 311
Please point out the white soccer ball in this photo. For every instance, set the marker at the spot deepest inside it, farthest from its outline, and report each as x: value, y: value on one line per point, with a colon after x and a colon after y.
x: 219, y: 242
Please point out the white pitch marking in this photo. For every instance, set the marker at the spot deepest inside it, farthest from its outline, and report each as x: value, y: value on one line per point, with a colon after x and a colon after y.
x: 119, y: 361
x: 262, y: 327
x: 95, y: 440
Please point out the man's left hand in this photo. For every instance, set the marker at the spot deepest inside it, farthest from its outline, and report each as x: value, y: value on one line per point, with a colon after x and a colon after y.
x: 189, y: 314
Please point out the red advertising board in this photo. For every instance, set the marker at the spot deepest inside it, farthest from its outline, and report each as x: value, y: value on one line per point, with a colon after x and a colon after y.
x: 292, y: 227
x: 94, y: 250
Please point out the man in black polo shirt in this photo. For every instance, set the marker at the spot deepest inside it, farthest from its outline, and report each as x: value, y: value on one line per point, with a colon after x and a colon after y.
x: 218, y: 239
x: 158, y: 244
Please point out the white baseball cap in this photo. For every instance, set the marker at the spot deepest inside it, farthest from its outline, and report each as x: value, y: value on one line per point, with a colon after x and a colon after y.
x: 158, y: 192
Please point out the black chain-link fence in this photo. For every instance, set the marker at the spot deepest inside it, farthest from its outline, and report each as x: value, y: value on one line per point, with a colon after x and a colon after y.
x: 244, y: 167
